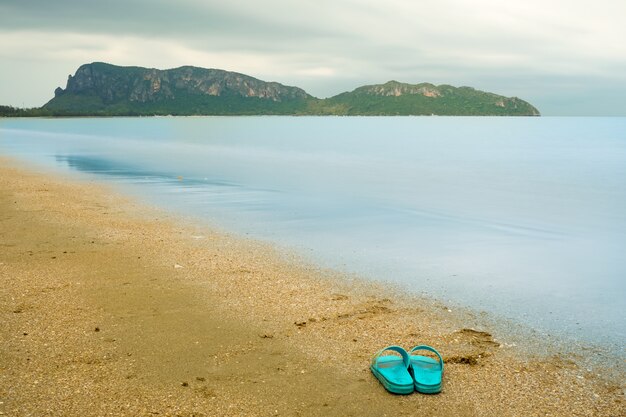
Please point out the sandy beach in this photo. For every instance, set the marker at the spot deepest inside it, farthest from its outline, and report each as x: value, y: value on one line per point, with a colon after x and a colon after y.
x: 109, y: 307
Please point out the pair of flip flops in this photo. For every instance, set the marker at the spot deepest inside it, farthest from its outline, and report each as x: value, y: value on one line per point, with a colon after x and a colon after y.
x: 408, y: 372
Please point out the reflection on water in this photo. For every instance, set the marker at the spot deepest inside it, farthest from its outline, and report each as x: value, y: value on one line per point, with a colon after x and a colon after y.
x: 522, y: 217
x: 101, y: 166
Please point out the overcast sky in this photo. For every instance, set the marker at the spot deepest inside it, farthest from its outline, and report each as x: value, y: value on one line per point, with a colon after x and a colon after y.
x: 567, y: 57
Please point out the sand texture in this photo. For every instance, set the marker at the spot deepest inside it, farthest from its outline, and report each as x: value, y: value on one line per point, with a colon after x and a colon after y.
x: 110, y: 308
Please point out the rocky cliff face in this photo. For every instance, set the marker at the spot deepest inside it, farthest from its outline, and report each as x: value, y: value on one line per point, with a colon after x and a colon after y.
x: 143, y: 85
x: 397, y: 89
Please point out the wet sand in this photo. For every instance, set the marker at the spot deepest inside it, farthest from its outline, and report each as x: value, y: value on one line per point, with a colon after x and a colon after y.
x: 108, y: 307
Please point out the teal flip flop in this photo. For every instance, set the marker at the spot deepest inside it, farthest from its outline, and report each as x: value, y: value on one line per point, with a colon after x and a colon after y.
x: 392, y: 371
x: 427, y: 372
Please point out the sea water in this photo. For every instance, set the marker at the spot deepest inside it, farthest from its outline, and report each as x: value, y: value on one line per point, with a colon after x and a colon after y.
x: 524, y: 218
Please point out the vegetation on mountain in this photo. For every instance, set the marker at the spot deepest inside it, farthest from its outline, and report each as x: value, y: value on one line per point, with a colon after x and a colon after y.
x: 394, y: 98
x: 100, y: 89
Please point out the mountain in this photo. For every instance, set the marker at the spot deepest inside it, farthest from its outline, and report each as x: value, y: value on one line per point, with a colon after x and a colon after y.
x: 395, y: 98
x: 105, y: 89
x: 108, y: 90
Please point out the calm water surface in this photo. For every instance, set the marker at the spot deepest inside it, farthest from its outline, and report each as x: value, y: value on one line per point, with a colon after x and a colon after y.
x: 521, y: 217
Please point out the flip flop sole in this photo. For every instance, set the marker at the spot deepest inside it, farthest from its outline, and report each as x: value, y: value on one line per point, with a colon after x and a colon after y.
x: 390, y: 386
x: 427, y: 372
x: 428, y: 389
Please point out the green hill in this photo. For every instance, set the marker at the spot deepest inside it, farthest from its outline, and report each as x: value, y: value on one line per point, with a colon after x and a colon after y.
x: 394, y: 98
x: 100, y: 89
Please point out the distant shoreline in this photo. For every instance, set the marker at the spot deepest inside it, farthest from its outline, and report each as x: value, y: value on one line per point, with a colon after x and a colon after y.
x: 102, y: 89
x: 91, y: 116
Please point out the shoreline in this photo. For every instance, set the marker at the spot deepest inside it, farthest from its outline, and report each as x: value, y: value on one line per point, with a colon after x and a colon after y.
x: 112, y: 307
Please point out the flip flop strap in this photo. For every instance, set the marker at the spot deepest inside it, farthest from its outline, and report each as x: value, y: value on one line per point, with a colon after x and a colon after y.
x: 405, y: 356
x: 431, y: 349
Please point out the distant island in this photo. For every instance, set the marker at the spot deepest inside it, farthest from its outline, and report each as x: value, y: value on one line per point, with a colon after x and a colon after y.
x: 100, y: 89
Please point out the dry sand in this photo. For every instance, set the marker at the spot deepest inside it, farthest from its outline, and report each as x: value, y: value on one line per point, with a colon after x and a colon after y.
x: 111, y: 308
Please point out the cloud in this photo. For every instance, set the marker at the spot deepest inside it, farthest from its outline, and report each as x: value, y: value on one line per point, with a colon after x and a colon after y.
x: 325, y: 46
